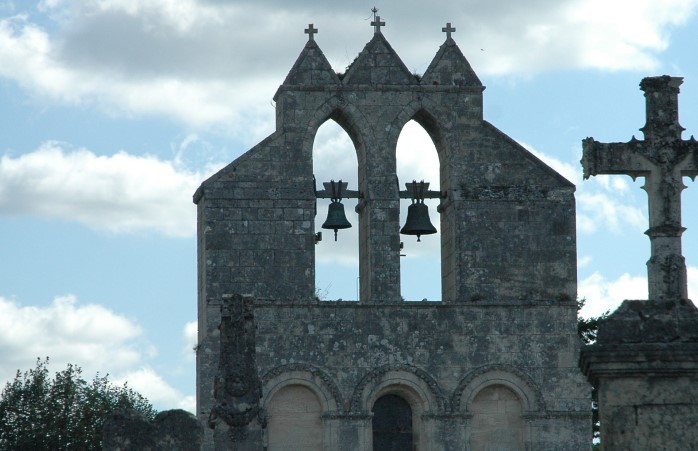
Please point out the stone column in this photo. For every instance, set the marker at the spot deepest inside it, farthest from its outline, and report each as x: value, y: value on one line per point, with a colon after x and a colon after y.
x: 645, y: 366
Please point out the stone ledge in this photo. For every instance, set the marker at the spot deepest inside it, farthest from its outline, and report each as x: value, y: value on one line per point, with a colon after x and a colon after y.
x: 639, y: 360
x: 416, y: 88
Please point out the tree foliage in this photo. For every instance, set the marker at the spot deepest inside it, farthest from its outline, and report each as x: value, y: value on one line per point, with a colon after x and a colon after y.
x: 588, y: 329
x: 63, y: 413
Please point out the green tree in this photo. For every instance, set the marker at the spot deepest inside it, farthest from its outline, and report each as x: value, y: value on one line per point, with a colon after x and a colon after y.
x: 588, y: 329
x: 63, y: 413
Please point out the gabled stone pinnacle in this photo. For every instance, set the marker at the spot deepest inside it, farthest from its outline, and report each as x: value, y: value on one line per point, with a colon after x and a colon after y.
x: 450, y: 68
x: 311, y: 68
x: 378, y: 64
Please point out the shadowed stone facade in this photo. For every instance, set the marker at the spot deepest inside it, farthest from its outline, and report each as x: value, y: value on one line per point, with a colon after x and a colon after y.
x: 494, y: 363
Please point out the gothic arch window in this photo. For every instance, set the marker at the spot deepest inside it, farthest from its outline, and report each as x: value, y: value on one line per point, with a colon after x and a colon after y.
x: 392, y: 424
x: 497, y: 421
x: 295, y: 422
x: 336, y: 262
x: 420, y: 262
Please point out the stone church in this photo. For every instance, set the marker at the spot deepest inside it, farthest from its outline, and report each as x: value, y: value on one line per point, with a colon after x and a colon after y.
x: 492, y: 365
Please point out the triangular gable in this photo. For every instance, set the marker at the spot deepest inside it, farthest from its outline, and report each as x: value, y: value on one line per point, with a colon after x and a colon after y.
x: 311, y: 68
x: 449, y: 67
x: 378, y: 64
x: 535, y: 161
x: 240, y: 167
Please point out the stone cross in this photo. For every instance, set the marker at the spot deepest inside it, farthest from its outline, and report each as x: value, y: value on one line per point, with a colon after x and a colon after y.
x: 310, y: 31
x: 663, y: 158
x: 377, y: 24
x: 448, y: 30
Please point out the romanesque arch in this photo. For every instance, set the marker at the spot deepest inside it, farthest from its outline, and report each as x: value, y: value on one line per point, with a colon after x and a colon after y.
x: 496, y: 399
x: 505, y: 375
x: 413, y: 385
x: 413, y: 382
x: 295, y: 398
x: 307, y: 375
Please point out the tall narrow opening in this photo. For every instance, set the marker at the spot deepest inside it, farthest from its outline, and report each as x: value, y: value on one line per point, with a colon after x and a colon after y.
x: 392, y: 424
x: 689, y: 220
x: 336, y: 262
x: 420, y: 261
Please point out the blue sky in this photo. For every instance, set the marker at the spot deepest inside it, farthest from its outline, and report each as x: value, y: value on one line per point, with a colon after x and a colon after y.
x: 112, y: 112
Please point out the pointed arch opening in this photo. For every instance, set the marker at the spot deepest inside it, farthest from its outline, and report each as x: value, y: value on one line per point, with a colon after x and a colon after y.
x: 420, y: 262
x: 336, y: 262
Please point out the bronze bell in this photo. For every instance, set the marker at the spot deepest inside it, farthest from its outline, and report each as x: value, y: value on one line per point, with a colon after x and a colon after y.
x: 336, y: 219
x: 418, y: 222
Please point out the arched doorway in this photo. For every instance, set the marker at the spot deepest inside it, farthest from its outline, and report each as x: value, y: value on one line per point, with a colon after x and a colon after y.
x: 392, y: 424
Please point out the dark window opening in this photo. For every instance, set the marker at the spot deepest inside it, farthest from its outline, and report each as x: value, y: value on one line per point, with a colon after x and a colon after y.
x: 392, y: 424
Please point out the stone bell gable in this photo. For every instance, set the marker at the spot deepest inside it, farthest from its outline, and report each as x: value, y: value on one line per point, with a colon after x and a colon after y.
x: 336, y: 375
x: 506, y: 219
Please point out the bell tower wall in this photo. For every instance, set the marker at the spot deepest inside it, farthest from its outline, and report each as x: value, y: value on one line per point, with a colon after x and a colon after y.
x: 507, y: 229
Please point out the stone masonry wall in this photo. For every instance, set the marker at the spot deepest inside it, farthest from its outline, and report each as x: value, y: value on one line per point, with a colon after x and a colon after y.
x: 448, y: 347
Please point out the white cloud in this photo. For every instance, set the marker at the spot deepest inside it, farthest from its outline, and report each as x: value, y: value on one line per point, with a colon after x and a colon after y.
x: 182, y: 14
x: 90, y: 336
x: 692, y: 278
x: 212, y: 64
x: 571, y: 172
x: 154, y: 388
x: 584, y: 261
x: 32, y: 57
x: 602, y: 210
x: 118, y: 193
x: 597, y: 34
x: 602, y: 202
x: 602, y: 294
x: 190, y: 335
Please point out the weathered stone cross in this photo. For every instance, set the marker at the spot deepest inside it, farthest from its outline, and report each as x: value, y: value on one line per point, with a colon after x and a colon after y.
x: 310, y: 31
x: 663, y: 158
x: 377, y: 24
x: 448, y: 30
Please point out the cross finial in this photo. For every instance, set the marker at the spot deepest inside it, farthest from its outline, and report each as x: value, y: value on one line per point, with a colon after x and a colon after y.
x: 377, y: 24
x: 310, y: 31
x: 663, y: 159
x: 448, y: 29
